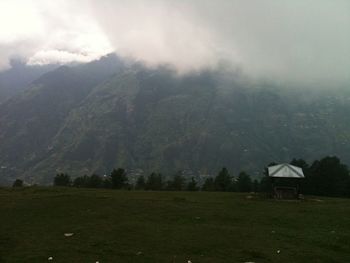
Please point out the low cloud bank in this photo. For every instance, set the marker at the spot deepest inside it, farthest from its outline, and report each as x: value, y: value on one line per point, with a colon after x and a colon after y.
x: 303, y: 42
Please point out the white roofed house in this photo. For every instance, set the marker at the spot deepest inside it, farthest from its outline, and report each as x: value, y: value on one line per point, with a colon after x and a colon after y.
x: 286, y: 180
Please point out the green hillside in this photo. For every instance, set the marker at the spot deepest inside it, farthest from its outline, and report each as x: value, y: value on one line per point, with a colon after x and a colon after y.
x: 105, y: 114
x: 117, y: 226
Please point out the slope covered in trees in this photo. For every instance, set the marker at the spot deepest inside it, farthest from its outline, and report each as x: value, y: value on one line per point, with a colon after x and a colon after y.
x: 91, y: 118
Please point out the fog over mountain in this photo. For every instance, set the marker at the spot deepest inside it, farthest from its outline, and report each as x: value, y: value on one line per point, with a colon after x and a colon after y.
x: 302, y: 42
x: 162, y: 85
x: 90, y: 118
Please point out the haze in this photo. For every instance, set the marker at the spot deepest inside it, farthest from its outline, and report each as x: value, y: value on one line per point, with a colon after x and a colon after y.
x: 305, y: 41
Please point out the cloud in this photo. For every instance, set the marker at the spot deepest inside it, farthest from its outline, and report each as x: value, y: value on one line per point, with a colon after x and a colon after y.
x: 158, y: 32
x: 289, y: 41
x: 301, y: 41
x: 49, y: 32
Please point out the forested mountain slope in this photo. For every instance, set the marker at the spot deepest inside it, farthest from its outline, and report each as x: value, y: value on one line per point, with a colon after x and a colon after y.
x: 105, y: 114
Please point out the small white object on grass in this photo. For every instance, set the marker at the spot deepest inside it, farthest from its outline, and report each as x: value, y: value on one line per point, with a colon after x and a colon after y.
x: 189, y: 261
x: 278, y: 251
x: 50, y: 258
x: 68, y: 234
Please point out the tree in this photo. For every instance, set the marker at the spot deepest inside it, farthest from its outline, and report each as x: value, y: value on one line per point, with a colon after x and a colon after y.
x: 192, y: 185
x: 329, y: 177
x: 306, y: 184
x: 141, y: 183
x: 94, y: 181
x: 177, y: 184
x: 62, y: 180
x: 300, y: 163
x: 17, y: 183
x: 119, y: 178
x: 209, y: 185
x: 223, y: 181
x: 154, y: 182
x: 348, y: 188
x: 82, y: 181
x: 265, y: 182
x: 107, y: 182
x: 256, y: 186
x: 244, y: 183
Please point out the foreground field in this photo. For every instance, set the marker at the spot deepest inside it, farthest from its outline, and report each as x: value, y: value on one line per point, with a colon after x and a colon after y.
x: 117, y: 226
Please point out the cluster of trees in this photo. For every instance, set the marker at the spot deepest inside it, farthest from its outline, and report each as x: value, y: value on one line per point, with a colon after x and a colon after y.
x: 156, y: 182
x: 325, y: 177
x: 116, y: 180
x: 224, y: 182
x: 119, y: 180
x: 17, y: 183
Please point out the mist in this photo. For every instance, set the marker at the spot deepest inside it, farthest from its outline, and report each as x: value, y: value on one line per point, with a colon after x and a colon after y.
x: 300, y: 42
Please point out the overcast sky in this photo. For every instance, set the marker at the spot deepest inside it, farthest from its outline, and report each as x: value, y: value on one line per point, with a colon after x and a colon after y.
x: 303, y: 41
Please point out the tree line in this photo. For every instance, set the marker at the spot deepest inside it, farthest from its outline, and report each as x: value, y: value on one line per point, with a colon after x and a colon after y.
x: 325, y: 177
x: 118, y: 179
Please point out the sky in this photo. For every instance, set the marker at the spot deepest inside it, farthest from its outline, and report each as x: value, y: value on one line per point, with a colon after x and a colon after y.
x: 296, y: 41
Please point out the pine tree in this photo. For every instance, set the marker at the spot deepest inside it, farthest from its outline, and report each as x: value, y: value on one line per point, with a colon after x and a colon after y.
x: 223, y: 181
x: 244, y: 183
x: 17, y: 183
x: 82, y: 181
x: 329, y: 177
x: 209, y: 185
x: 119, y: 178
x: 192, y: 185
x: 94, y: 181
x: 177, y: 184
x: 154, y: 182
x: 62, y: 180
x: 140, y: 183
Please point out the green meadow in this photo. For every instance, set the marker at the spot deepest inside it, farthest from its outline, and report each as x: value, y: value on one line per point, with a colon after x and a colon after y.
x: 138, y: 226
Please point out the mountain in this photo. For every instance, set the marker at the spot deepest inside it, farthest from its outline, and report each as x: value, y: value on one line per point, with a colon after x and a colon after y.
x: 109, y: 113
x: 19, y: 77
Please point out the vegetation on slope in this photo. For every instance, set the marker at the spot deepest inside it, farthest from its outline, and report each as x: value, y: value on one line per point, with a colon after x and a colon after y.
x: 94, y: 117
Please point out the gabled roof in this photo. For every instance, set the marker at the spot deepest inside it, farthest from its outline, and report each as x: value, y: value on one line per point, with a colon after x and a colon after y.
x: 285, y: 170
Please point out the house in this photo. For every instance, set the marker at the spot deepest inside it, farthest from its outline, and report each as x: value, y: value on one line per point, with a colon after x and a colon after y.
x: 286, y: 179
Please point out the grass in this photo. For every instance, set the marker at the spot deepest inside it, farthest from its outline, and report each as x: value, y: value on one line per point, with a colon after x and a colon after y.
x: 118, y: 226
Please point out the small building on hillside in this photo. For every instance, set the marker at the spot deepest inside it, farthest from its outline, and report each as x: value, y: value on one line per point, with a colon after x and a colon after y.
x: 286, y: 179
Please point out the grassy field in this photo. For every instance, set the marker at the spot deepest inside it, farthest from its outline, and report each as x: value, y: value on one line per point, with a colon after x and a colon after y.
x: 117, y: 226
